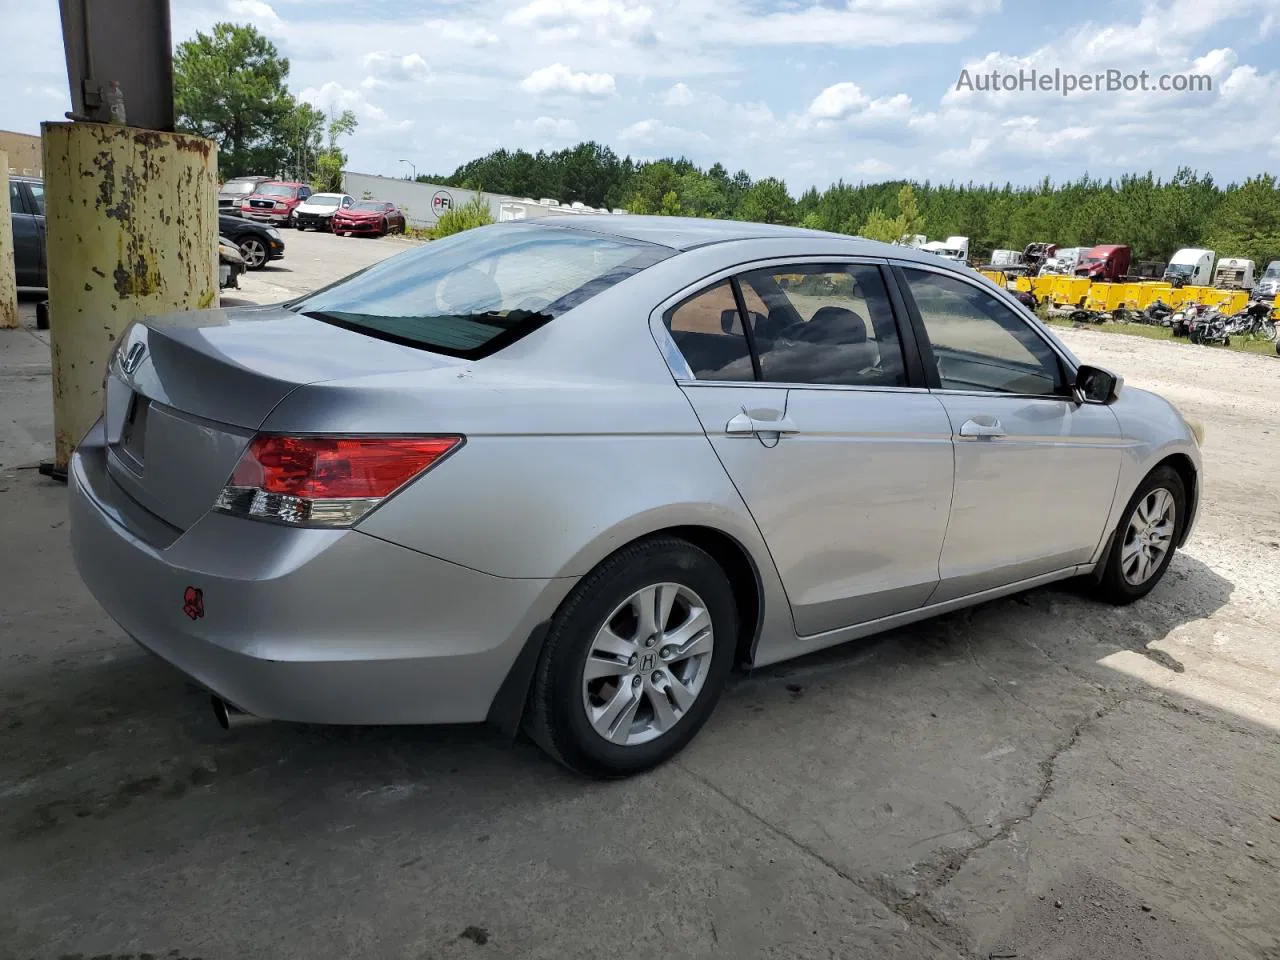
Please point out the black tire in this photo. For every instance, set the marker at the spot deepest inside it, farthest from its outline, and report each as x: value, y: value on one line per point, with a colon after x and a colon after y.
x: 557, y: 718
x: 1113, y: 587
x: 382, y: 228
x: 254, y: 252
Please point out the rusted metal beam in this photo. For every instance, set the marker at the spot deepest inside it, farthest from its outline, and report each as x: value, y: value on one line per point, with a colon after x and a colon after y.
x: 132, y: 231
x: 8, y: 269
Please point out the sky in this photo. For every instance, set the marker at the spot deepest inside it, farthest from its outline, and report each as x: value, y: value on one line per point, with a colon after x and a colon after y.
x: 809, y: 91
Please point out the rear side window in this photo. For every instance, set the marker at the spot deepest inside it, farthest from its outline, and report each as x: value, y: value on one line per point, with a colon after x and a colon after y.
x: 37, y: 197
x: 471, y: 294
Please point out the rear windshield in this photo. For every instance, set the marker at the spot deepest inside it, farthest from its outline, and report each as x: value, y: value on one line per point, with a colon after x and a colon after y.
x: 471, y: 294
x: 275, y: 190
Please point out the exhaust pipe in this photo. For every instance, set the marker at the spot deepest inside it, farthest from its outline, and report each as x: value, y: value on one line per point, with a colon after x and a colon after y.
x: 229, y: 717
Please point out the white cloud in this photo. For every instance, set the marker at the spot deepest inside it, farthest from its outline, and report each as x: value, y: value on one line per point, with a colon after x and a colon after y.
x: 464, y: 32
x: 838, y: 101
x: 393, y: 66
x: 654, y: 131
x: 679, y: 96
x: 261, y: 14
x: 549, y: 128
x: 571, y: 19
x: 558, y: 78
x: 871, y: 167
x: 332, y: 97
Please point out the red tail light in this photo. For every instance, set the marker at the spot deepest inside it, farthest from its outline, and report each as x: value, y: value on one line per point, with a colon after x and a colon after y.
x: 326, y: 481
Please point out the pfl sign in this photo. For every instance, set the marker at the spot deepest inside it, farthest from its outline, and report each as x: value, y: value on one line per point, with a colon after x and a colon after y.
x: 441, y: 202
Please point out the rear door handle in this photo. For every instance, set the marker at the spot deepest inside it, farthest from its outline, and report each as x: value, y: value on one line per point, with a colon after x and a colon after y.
x: 746, y: 425
x: 974, y: 429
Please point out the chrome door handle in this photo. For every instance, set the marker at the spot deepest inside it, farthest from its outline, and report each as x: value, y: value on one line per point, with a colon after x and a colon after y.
x: 973, y: 429
x: 745, y: 425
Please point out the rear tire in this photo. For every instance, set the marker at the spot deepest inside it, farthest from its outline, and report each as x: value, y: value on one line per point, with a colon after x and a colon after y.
x: 1145, y: 539
x: 605, y: 701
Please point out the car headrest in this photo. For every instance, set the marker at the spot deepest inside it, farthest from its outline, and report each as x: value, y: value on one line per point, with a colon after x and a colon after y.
x: 838, y: 325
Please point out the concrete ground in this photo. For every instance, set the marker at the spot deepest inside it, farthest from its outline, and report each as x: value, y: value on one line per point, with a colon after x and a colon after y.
x: 1038, y: 777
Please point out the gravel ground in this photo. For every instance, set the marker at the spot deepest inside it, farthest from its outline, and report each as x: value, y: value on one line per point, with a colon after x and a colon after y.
x: 1040, y: 777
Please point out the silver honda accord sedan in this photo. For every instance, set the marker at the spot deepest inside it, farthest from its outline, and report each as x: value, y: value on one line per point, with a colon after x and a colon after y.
x: 566, y: 474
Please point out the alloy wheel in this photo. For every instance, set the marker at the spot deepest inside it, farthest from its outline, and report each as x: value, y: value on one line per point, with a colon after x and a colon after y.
x: 1149, y: 536
x: 254, y: 253
x: 647, y: 664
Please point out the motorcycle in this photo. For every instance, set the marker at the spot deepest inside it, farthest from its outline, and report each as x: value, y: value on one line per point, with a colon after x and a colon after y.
x: 1180, y: 322
x: 1254, y: 321
x: 1157, y: 314
x: 1209, y: 327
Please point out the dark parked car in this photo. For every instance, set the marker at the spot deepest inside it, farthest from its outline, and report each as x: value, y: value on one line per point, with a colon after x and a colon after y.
x: 257, y: 243
x: 26, y: 202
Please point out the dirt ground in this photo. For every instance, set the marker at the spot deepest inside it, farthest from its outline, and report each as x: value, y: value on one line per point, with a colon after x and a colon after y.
x: 1040, y: 777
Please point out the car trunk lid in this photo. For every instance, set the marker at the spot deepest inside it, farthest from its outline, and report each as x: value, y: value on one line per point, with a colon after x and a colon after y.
x: 187, y: 392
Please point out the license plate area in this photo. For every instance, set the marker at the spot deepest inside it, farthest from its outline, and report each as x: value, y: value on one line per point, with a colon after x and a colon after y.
x: 133, y: 433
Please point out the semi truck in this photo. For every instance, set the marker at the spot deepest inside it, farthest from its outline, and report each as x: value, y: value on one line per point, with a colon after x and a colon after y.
x: 1190, y: 267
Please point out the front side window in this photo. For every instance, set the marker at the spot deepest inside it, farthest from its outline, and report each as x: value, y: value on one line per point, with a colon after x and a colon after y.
x: 477, y: 291
x: 826, y: 324
x: 978, y: 343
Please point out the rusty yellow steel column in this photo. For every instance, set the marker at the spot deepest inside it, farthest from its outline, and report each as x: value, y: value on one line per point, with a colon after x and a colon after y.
x: 132, y: 231
x: 8, y: 271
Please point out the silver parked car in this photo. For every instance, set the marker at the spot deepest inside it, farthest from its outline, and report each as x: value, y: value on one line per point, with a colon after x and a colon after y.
x: 568, y: 473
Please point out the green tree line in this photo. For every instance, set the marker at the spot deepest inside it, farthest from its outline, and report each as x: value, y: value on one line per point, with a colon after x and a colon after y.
x: 1154, y: 216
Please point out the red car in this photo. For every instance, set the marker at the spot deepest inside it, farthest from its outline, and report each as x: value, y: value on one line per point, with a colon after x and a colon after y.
x: 274, y: 201
x: 376, y: 217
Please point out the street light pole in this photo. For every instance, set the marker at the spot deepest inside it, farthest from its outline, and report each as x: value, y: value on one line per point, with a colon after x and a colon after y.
x: 414, y: 166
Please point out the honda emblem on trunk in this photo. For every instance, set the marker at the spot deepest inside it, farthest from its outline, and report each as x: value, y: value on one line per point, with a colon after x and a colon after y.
x: 133, y: 358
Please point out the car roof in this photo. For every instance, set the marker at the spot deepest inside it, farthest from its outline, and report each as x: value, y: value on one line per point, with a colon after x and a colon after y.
x: 688, y: 233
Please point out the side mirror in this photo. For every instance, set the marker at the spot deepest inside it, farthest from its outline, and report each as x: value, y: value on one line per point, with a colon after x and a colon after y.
x: 730, y: 322
x: 1096, y: 385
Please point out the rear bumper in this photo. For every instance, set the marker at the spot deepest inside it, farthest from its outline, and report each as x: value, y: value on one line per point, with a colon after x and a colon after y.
x: 310, y: 626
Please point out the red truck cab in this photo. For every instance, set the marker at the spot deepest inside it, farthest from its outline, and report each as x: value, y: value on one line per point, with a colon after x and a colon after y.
x: 274, y: 201
x: 1106, y: 262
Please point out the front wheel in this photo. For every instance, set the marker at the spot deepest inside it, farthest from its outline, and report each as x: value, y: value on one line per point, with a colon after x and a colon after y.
x: 254, y: 252
x: 1144, y: 543
x: 635, y: 660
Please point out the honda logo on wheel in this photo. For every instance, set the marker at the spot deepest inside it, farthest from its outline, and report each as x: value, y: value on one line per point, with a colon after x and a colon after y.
x: 648, y: 662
